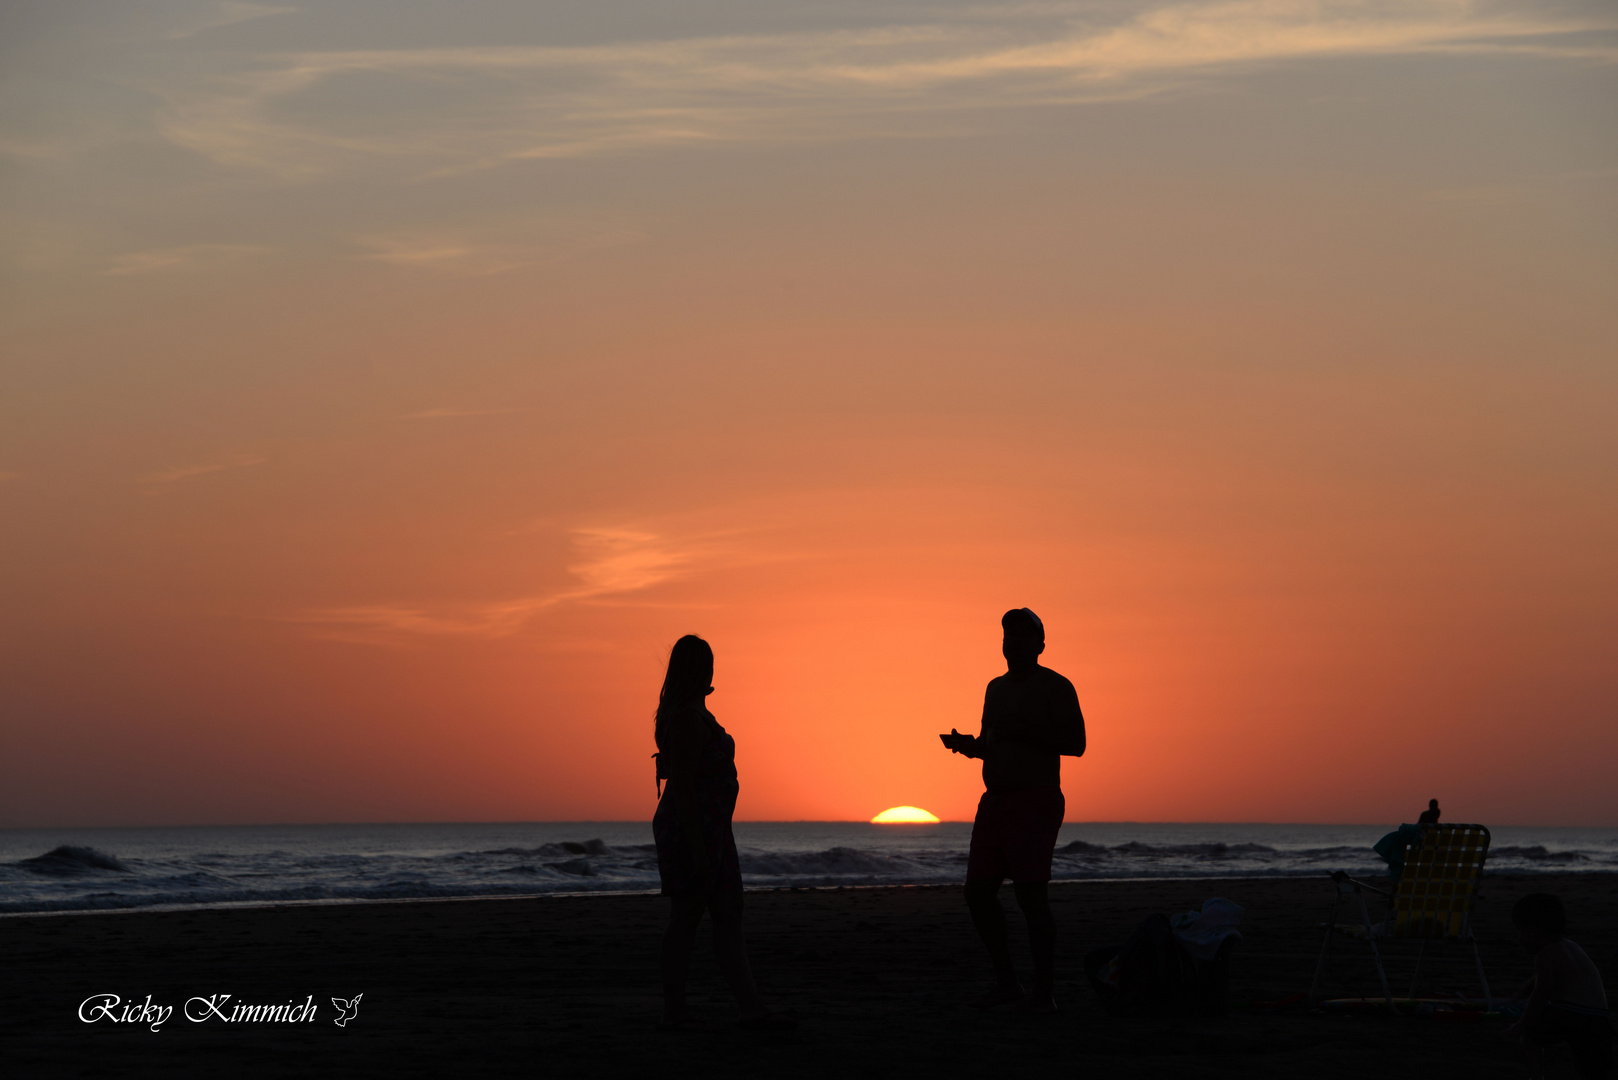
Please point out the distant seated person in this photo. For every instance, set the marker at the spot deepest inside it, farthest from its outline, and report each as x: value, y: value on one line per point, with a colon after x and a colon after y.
x: 1429, y: 816
x: 1567, y: 1002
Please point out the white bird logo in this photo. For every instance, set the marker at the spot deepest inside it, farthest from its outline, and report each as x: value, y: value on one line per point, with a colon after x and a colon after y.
x: 346, y: 1010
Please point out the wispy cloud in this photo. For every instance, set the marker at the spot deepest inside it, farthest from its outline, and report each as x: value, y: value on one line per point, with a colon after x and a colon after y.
x: 447, y: 414
x: 609, y: 562
x: 186, y: 472
x: 226, y: 13
x: 626, y: 560
x: 295, y: 114
x: 191, y: 257
x: 444, y: 254
x: 479, y: 253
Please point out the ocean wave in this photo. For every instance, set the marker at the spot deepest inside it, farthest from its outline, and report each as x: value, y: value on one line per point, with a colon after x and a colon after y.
x: 1341, y: 852
x: 576, y: 867
x: 565, y: 847
x: 69, y: 859
x: 837, y: 860
x: 1198, y: 851
x: 1538, y: 853
x: 76, y: 876
x: 1137, y: 849
x: 116, y: 901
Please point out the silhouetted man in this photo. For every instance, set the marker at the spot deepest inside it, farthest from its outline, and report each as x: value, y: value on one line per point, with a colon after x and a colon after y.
x: 1429, y: 816
x: 1030, y: 718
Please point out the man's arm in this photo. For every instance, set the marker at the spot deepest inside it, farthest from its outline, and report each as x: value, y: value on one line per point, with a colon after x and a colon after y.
x: 967, y: 745
x: 1544, y: 981
x: 1068, y: 719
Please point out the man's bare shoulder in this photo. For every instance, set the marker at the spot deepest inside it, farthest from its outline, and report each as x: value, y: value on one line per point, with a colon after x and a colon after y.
x: 1574, y: 954
x: 1055, y: 680
x: 1041, y: 680
x: 1570, y: 974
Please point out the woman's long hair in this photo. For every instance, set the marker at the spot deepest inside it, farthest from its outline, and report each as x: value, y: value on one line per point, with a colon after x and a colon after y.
x: 688, y: 681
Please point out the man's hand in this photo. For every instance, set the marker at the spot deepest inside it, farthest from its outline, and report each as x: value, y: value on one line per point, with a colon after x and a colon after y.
x: 958, y: 743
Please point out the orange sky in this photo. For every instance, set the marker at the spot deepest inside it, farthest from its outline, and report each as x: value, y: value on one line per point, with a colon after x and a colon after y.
x: 382, y: 397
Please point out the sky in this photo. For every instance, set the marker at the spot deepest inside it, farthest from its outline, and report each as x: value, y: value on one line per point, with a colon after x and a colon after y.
x: 387, y: 385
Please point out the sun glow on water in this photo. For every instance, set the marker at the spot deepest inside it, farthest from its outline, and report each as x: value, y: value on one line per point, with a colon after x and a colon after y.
x: 904, y: 815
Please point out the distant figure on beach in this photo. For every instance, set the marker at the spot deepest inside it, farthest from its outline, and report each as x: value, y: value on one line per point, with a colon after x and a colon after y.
x: 1429, y: 816
x: 1568, y: 1003
x: 1030, y: 718
x: 696, y: 850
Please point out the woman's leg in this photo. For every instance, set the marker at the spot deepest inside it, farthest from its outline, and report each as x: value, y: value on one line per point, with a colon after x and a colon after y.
x: 731, y: 952
x: 684, y: 914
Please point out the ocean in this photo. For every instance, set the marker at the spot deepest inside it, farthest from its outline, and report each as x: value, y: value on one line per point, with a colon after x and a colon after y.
x: 215, y: 866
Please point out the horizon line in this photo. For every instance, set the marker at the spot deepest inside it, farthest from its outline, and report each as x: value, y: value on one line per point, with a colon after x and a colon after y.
x: 752, y: 821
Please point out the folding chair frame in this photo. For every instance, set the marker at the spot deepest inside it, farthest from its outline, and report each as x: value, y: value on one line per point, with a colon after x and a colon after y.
x: 1422, y: 905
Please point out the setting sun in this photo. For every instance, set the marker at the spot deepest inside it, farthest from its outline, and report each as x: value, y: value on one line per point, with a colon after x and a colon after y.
x: 904, y: 815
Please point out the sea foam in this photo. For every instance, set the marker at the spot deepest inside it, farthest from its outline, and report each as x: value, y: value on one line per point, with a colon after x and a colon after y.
x: 217, y: 866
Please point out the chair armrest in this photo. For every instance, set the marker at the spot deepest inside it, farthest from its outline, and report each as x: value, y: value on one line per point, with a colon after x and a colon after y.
x: 1343, y: 881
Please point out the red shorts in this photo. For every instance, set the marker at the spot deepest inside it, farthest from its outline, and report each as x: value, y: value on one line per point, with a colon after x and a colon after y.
x: 1014, y: 834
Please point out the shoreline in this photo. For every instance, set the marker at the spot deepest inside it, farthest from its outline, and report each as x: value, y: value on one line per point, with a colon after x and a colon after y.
x: 361, y: 901
x: 647, y: 822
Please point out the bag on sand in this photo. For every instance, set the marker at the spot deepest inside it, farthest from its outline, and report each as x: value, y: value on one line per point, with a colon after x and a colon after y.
x: 1153, y: 974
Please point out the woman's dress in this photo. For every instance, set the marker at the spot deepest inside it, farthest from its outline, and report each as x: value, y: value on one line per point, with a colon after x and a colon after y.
x: 716, y: 803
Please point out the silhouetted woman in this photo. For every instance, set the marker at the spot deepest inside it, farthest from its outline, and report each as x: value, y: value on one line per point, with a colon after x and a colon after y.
x: 696, y: 851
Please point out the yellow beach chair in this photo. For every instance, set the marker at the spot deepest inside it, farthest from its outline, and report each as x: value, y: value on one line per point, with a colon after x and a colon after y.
x: 1431, y: 901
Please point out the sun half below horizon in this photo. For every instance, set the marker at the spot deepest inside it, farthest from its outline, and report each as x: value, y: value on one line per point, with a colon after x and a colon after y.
x: 905, y: 815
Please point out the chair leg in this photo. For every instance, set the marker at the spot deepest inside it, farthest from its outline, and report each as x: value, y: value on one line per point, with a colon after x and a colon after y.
x: 1320, y: 965
x: 1376, y: 954
x: 1419, y: 954
x: 1488, y: 998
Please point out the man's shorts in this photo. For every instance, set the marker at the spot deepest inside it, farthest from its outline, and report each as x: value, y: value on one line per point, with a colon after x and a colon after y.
x: 1014, y: 834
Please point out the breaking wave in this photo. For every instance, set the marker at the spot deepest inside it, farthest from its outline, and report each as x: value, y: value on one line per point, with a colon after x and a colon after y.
x: 1537, y: 853
x: 307, y: 866
x: 68, y: 859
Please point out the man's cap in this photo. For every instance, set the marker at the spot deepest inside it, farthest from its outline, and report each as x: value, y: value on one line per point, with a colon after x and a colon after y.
x: 1024, y: 613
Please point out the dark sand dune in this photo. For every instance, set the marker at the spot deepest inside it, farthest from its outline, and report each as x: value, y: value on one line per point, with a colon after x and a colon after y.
x: 568, y: 987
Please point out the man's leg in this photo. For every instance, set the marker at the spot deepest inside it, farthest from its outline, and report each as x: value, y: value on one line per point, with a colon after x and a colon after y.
x: 1034, y: 899
x: 983, y: 899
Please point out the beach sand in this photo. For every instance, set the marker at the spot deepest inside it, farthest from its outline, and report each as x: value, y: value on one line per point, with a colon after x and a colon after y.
x: 569, y: 986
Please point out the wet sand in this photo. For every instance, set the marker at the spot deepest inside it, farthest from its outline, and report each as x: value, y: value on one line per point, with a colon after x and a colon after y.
x: 569, y: 986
